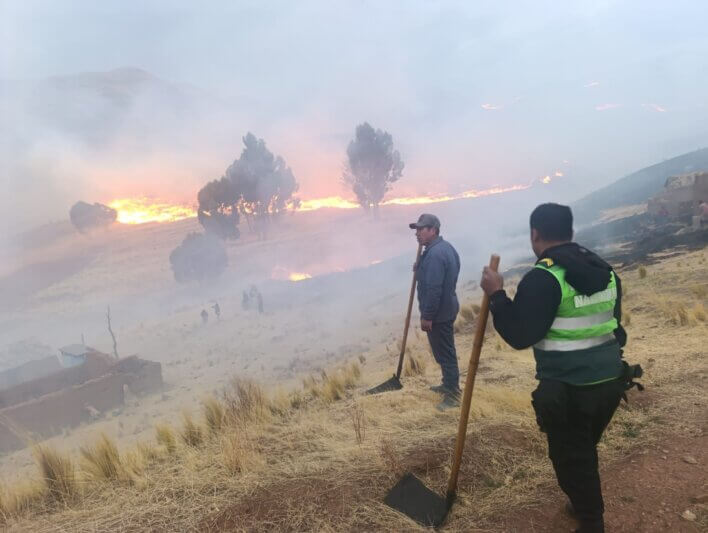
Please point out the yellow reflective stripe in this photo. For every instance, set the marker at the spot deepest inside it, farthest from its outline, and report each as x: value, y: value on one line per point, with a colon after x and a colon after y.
x: 579, y: 322
x: 551, y: 345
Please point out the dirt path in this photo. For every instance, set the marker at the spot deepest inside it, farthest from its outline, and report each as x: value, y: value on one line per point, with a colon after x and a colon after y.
x: 647, y: 491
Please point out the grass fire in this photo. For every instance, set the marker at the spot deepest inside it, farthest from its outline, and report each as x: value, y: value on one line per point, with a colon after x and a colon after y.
x: 356, y: 266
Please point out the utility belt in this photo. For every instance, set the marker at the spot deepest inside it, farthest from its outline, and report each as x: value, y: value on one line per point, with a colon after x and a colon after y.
x: 629, y: 372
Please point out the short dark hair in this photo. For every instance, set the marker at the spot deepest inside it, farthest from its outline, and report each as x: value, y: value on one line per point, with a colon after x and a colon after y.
x: 554, y: 222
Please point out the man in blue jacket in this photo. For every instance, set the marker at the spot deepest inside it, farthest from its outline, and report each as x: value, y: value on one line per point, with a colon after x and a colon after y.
x: 436, y: 274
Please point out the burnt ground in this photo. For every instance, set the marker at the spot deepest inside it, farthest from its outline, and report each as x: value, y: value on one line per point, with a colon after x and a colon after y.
x: 639, y: 237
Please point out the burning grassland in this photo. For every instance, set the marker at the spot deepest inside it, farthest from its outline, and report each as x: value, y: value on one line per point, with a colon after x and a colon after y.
x: 306, y: 460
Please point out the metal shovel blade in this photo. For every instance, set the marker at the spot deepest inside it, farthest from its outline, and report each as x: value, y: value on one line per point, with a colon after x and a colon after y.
x: 412, y: 498
x: 392, y: 384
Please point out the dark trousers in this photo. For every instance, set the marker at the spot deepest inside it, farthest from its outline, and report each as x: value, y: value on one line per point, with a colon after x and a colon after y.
x: 442, y: 342
x: 573, y: 418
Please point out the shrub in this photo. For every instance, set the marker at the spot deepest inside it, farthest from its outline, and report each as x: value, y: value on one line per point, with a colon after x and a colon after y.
x: 198, y: 258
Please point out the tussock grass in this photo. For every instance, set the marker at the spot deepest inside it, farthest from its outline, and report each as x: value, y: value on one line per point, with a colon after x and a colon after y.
x: 351, y: 375
x: 333, y: 385
x: 642, y: 271
x: 165, y: 435
x: 237, y: 453
x: 101, y: 461
x: 58, y: 473
x: 214, y: 414
x: 21, y: 499
x: 467, y: 313
x: 245, y: 401
x: 191, y: 433
x: 699, y: 312
x: 414, y: 366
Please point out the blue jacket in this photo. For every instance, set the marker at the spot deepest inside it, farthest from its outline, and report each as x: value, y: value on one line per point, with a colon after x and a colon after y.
x: 436, y: 274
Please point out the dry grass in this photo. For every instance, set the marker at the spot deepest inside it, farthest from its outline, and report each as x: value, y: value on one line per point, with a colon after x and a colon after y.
x: 358, y: 422
x: 700, y: 291
x: 21, y: 499
x: 58, y: 474
x: 333, y: 386
x: 304, y: 471
x: 642, y: 271
x: 414, y: 365
x: 165, y: 436
x: 236, y: 453
x: 191, y: 433
x: 467, y: 313
x: 101, y: 461
x: 214, y: 415
x: 245, y: 401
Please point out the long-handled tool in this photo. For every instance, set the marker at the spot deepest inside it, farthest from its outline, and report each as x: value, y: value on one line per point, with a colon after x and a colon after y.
x: 410, y: 496
x: 395, y: 382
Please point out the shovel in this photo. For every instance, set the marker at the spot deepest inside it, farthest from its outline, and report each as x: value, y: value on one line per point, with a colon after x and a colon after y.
x: 410, y: 496
x: 395, y: 382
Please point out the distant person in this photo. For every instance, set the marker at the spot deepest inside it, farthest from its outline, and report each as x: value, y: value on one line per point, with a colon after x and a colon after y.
x: 436, y: 276
x: 569, y: 309
x: 255, y: 294
x: 217, y: 310
x: 205, y: 316
x: 245, y: 301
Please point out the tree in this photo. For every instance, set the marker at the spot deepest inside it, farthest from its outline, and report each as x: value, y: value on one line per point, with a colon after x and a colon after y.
x: 265, y: 183
x: 372, y: 166
x: 200, y: 257
x: 218, y: 208
x: 86, y: 217
x: 258, y: 185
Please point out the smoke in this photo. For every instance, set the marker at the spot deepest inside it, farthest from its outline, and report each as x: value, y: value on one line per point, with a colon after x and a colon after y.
x: 302, y: 75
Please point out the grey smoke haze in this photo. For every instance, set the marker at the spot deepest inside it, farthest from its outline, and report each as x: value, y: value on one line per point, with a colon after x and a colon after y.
x: 474, y: 93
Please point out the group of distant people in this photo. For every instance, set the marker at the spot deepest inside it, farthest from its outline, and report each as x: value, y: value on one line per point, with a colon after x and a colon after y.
x: 217, y: 312
x: 252, y: 299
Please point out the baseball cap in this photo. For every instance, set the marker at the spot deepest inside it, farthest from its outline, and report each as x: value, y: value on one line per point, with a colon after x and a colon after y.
x: 425, y: 221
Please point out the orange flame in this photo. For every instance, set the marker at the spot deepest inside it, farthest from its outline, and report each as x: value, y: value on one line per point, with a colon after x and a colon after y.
x: 299, y: 276
x: 142, y: 210
x: 336, y: 202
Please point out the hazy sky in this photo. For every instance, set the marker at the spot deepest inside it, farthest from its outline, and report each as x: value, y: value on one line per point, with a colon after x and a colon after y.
x: 474, y: 93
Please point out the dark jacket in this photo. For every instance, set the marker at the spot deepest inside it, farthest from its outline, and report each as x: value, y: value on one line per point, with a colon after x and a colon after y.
x: 436, y: 274
x: 526, y: 320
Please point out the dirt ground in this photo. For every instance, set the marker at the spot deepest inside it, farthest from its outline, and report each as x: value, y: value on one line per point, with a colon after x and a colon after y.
x: 648, y: 491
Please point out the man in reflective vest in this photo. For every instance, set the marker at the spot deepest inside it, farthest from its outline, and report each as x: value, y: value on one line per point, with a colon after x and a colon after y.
x: 568, y: 307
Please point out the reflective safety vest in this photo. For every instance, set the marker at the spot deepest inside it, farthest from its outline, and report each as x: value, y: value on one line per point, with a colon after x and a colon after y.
x: 581, y: 321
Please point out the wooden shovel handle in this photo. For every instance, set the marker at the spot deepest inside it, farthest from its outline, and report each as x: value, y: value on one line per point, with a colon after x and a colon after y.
x: 408, y: 314
x: 469, y: 387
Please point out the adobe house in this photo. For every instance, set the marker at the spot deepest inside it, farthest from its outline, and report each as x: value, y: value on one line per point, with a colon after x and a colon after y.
x: 82, y: 381
x: 681, y: 195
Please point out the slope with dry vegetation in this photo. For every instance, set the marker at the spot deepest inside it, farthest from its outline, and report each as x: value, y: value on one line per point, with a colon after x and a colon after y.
x: 323, y: 456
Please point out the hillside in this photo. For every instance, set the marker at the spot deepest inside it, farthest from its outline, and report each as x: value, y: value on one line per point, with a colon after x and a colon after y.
x: 322, y: 457
x: 637, y: 187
